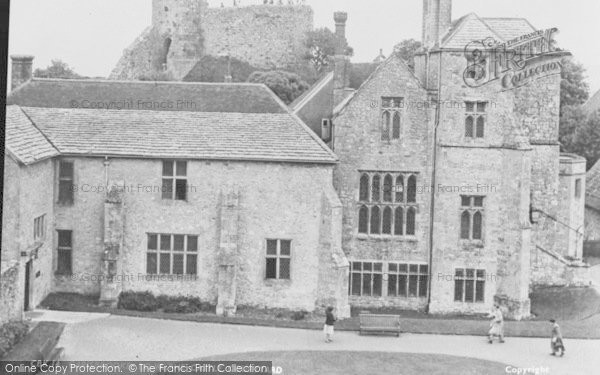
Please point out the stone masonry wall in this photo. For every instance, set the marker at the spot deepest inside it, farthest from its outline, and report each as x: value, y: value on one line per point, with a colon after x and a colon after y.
x: 592, y: 224
x: 277, y: 201
x: 359, y: 146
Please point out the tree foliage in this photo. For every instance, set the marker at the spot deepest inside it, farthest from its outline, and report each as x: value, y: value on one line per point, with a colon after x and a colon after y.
x: 573, y: 88
x: 321, y: 45
x: 57, y: 69
x: 287, y: 86
x: 214, y: 69
x: 407, y: 49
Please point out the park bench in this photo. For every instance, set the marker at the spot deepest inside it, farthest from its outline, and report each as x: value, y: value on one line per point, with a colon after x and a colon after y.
x: 373, y: 323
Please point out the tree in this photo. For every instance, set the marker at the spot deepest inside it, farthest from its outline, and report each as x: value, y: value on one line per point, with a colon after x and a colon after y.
x: 321, y: 46
x: 586, y: 141
x: 287, y: 86
x: 57, y: 69
x: 574, y: 90
x: 571, y: 117
x: 214, y: 69
x: 407, y: 49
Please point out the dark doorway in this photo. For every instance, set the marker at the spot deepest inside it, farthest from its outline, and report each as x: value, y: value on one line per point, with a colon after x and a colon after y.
x: 27, y: 285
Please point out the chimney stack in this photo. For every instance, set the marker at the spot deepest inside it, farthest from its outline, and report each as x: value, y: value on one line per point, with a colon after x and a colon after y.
x: 22, y: 70
x: 340, y: 19
x: 437, y: 19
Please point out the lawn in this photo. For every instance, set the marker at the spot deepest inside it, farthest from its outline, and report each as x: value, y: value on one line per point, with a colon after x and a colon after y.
x: 367, y: 363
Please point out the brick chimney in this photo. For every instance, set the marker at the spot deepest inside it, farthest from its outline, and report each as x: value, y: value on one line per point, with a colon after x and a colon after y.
x: 437, y: 19
x: 22, y: 66
x: 341, y: 69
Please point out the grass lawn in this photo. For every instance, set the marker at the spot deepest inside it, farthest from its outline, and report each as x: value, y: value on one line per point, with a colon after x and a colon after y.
x: 366, y: 363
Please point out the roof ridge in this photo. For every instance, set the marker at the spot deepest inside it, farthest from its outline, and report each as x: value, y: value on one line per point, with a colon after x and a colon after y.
x: 95, y: 80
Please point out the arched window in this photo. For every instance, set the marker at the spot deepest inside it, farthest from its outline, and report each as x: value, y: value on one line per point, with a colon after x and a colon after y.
x: 375, y: 220
x: 465, y: 223
x: 385, y: 126
x: 410, y: 221
x: 376, y: 188
x: 363, y: 220
x: 165, y: 54
x: 399, y: 189
x: 477, y: 221
x: 388, y: 183
x: 396, y: 126
x: 399, y: 221
x: 469, y: 126
x: 480, y: 127
x: 364, y: 188
x: 386, y: 227
x: 411, y: 189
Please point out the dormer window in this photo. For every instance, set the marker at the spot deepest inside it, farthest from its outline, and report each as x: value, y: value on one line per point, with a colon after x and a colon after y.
x: 391, y: 111
x: 475, y: 118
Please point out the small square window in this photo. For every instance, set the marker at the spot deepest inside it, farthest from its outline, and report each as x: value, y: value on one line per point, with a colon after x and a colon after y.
x: 465, y: 201
x: 152, y: 241
x: 167, y: 168
x: 285, y: 247
x: 165, y: 242
x: 478, y: 201
x: 192, y: 244
x: 178, y: 241
x: 271, y: 247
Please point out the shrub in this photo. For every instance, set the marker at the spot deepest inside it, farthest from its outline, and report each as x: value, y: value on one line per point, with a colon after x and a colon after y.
x: 138, y: 301
x: 299, y: 315
x: 10, y: 334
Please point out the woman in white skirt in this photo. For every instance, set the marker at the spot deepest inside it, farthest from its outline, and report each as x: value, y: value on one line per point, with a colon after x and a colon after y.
x: 329, y: 322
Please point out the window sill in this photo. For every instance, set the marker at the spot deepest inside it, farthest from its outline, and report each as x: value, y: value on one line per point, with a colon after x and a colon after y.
x: 174, y: 202
x: 384, y: 237
x: 469, y: 244
x: 277, y: 282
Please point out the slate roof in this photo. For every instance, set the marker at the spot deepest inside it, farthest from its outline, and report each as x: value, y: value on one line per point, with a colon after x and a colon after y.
x: 307, y: 96
x: 141, y: 95
x: 593, y: 103
x: 280, y: 137
x: 23, y: 140
x: 471, y: 27
x: 592, y: 190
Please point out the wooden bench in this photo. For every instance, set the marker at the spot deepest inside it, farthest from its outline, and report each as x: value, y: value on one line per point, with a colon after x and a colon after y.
x: 372, y: 323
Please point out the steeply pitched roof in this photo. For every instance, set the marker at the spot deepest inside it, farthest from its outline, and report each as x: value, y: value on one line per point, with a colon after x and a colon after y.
x: 593, y: 103
x: 23, y: 140
x: 306, y: 97
x: 592, y: 190
x: 280, y: 137
x: 471, y: 28
x: 143, y: 95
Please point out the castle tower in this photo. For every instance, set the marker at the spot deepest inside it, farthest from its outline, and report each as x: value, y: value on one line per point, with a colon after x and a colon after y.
x: 179, y: 45
x: 437, y: 19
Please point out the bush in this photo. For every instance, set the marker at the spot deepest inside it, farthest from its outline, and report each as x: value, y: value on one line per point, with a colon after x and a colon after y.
x: 299, y: 315
x: 138, y: 301
x: 10, y: 334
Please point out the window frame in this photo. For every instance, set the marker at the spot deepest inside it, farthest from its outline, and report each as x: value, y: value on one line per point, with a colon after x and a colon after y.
x: 403, y: 197
x: 475, y: 115
x: 172, y: 252
x: 39, y: 228
x: 472, y: 210
x: 475, y: 279
x: 277, y: 257
x: 66, y: 198
x: 390, y: 109
x: 62, y: 250
x: 578, y: 188
x: 386, y: 274
x: 171, y: 193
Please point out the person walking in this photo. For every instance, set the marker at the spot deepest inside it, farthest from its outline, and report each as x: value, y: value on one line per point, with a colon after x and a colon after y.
x: 496, y: 325
x: 329, y: 322
x: 557, y: 340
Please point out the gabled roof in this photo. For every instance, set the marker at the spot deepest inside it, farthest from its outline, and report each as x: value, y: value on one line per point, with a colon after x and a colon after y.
x: 145, y: 95
x: 593, y: 103
x: 24, y: 142
x: 308, y: 95
x: 471, y: 28
x: 277, y: 137
x: 592, y: 190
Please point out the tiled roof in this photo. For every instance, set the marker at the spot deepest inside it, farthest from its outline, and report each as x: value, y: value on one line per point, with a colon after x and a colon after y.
x: 23, y: 140
x: 191, y: 135
x: 593, y: 103
x: 592, y: 190
x: 306, y: 97
x: 142, y: 95
x: 471, y: 28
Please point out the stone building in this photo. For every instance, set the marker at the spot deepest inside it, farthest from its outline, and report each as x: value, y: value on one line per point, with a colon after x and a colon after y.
x: 454, y: 191
x: 182, y: 31
x: 592, y: 211
x: 209, y: 190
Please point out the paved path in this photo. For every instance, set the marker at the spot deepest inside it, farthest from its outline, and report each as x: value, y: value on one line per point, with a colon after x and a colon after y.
x: 107, y: 337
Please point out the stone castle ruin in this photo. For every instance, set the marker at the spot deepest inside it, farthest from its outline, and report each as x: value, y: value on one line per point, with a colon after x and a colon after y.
x: 267, y: 36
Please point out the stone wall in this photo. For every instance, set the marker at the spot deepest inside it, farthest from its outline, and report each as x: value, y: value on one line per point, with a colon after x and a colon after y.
x: 592, y: 224
x: 551, y: 269
x: 358, y: 144
x: 276, y: 201
x: 11, y: 292
x: 182, y: 31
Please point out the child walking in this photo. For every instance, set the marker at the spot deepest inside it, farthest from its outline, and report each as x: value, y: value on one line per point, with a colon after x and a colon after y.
x: 557, y: 340
x: 329, y: 322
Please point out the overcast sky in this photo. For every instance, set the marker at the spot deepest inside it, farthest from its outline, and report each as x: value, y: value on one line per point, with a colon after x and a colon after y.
x: 90, y: 35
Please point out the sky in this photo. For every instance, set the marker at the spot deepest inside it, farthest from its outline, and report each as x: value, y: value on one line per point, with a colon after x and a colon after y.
x: 90, y: 35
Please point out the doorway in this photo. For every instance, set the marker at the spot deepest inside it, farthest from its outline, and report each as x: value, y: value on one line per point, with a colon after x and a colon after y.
x: 27, y: 285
